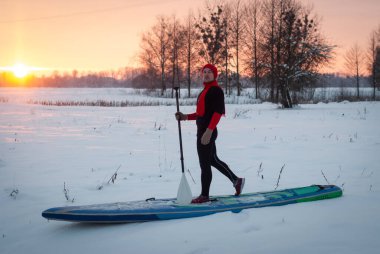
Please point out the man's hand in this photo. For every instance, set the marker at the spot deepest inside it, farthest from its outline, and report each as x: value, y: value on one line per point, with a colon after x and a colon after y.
x: 180, y: 116
x: 205, y: 140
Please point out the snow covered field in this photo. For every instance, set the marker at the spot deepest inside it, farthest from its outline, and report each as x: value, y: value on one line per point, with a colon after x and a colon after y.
x: 43, y: 148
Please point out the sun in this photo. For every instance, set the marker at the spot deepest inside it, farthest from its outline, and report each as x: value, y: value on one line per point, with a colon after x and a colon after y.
x: 20, y: 70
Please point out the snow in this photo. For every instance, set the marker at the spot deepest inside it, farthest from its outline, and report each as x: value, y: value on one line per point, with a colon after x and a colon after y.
x: 44, y: 147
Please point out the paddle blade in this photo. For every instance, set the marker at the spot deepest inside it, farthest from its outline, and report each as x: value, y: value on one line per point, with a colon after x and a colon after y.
x: 184, y: 195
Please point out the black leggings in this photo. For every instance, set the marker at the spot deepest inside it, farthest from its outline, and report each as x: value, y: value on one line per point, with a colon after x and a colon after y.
x: 207, y: 158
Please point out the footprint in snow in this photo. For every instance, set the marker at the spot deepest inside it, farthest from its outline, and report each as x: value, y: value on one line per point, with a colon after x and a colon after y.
x: 251, y: 228
x: 199, y: 251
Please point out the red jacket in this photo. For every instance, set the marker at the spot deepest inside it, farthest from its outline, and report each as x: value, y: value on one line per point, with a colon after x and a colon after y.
x: 210, y: 107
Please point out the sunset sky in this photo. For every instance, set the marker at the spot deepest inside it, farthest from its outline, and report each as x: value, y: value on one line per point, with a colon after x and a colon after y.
x: 105, y: 34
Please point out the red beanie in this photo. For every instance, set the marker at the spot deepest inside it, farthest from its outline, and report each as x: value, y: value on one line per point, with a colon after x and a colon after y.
x: 212, y: 68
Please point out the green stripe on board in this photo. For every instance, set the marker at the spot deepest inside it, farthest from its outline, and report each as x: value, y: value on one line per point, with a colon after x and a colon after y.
x: 320, y: 197
x: 306, y: 190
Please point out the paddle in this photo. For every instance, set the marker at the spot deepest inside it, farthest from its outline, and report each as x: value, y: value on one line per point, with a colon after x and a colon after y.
x: 184, y: 195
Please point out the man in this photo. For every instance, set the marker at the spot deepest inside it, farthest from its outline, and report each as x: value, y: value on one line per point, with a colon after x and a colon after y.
x: 210, y: 108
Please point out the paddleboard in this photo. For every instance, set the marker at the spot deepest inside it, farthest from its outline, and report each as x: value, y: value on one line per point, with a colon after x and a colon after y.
x: 166, y: 209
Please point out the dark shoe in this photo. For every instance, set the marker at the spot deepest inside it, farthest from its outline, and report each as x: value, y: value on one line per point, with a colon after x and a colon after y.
x: 239, y: 185
x: 200, y: 199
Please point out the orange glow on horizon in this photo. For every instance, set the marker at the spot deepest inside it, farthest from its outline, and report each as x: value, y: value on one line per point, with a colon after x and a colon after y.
x: 21, y: 70
x: 19, y: 74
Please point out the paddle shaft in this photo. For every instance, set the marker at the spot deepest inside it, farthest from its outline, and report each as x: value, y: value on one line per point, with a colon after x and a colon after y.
x: 179, y: 129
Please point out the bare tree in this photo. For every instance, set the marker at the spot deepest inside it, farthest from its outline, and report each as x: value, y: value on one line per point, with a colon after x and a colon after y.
x: 226, y: 48
x: 154, y: 46
x: 373, y: 59
x: 176, y: 42
x: 149, y: 60
x: 191, y: 48
x: 377, y: 68
x: 238, y: 31
x: 268, y: 31
x: 354, y: 64
x: 252, y: 55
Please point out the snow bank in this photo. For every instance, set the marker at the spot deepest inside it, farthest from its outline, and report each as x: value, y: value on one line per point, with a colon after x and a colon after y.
x: 42, y: 148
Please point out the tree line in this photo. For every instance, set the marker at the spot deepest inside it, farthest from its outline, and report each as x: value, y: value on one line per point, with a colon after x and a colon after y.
x: 276, y: 43
x: 277, y: 46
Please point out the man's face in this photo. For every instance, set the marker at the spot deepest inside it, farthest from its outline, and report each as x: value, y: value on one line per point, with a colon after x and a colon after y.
x: 208, y: 75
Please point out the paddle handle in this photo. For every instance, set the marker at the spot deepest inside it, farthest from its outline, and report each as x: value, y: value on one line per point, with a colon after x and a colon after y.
x: 179, y: 129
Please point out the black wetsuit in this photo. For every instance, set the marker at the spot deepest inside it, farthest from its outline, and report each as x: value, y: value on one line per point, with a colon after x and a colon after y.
x: 213, y: 103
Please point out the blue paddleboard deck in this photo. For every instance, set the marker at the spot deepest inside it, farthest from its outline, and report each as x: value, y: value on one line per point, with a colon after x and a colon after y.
x: 167, y: 209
